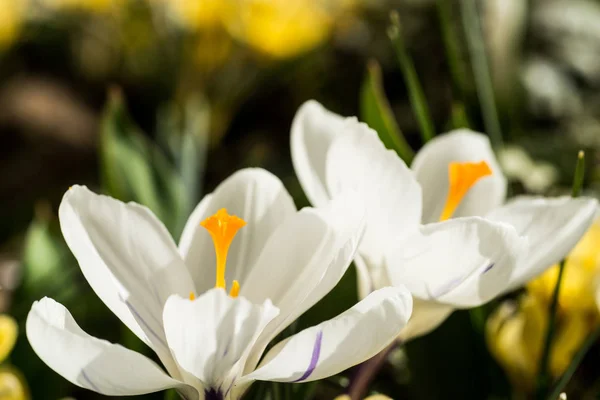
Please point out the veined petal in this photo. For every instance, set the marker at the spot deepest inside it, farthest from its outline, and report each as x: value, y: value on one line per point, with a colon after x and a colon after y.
x: 211, y: 336
x: 358, y: 161
x: 128, y: 258
x: 431, y: 169
x: 91, y: 363
x: 463, y: 262
x: 256, y: 196
x: 335, y: 345
x: 313, y: 129
x: 553, y: 227
x: 303, y: 260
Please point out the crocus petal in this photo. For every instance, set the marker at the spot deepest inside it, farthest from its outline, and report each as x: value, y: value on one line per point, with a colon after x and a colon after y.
x: 553, y: 227
x: 313, y: 129
x: 431, y: 168
x: 464, y: 262
x: 335, y: 345
x: 358, y: 160
x: 363, y: 277
x: 89, y: 362
x: 426, y: 316
x: 303, y: 260
x: 128, y: 258
x: 256, y: 196
x: 211, y: 335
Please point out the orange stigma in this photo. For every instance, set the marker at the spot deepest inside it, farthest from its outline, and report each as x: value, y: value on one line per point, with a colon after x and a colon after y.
x: 223, y: 227
x: 461, y: 177
x: 235, y: 289
x: 192, y: 296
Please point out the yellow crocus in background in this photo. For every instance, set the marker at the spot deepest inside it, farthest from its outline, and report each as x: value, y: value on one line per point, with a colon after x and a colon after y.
x: 12, y: 16
x: 12, y: 384
x: 516, y: 330
x: 283, y: 28
x: 276, y: 28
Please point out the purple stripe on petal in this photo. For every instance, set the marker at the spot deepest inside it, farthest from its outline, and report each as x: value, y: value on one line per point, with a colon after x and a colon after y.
x: 447, y: 287
x: 488, y: 268
x: 89, y: 381
x: 139, y: 318
x: 314, y: 358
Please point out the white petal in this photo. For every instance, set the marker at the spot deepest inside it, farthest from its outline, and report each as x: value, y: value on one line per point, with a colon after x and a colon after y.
x: 431, y: 168
x: 358, y: 160
x: 553, y: 227
x: 211, y: 336
x: 463, y: 262
x: 313, y: 129
x: 256, y: 196
x: 304, y: 259
x: 426, y: 316
x: 335, y: 345
x: 371, y: 276
x: 364, y: 282
x: 128, y: 258
x: 89, y: 362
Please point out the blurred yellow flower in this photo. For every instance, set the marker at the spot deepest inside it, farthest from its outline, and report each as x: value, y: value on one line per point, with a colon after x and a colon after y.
x: 516, y: 331
x: 580, y: 278
x: 11, y: 19
x: 12, y: 384
x: 8, y: 335
x: 280, y: 28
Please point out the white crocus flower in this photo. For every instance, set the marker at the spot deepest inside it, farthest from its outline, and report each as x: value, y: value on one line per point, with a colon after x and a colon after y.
x: 486, y: 249
x: 211, y: 343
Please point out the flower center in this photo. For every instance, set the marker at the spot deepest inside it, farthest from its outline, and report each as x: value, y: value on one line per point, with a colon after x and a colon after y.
x: 462, y: 176
x: 222, y: 228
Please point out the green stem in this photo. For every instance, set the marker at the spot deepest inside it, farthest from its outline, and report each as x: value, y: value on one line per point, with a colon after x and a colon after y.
x: 452, y: 46
x: 367, y: 371
x: 577, y: 359
x: 481, y: 72
x: 543, y: 380
x: 415, y: 90
x: 544, y: 375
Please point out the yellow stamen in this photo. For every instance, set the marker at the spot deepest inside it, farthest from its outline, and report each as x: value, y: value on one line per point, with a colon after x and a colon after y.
x: 235, y: 289
x: 222, y: 227
x: 461, y: 177
x: 192, y: 296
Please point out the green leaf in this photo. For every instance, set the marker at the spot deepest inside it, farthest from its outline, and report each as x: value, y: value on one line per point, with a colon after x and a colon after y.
x: 415, y: 90
x: 133, y: 168
x: 49, y: 269
x: 42, y: 255
x: 375, y: 110
x: 184, y: 132
x: 194, y: 145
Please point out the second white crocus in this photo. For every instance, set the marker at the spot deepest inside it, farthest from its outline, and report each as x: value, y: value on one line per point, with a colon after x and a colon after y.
x: 211, y: 342
x: 441, y: 228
